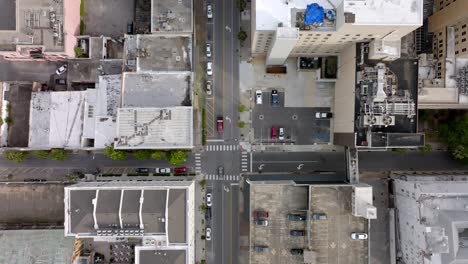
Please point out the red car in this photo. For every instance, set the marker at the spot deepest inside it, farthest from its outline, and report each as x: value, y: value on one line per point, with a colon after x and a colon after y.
x: 181, y: 170
x: 274, y: 132
x: 220, y: 124
x: 260, y: 214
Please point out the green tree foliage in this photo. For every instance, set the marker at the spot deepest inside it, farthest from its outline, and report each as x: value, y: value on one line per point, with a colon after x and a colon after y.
x: 241, y: 4
x: 176, y: 157
x: 242, y: 35
x: 14, y: 155
x: 142, y: 154
x: 115, y: 154
x: 41, y: 154
x: 157, y: 155
x: 455, y: 135
x: 59, y: 154
x: 426, y: 149
x: 241, y: 124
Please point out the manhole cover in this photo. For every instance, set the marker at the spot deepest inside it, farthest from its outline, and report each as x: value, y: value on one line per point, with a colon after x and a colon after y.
x: 261, y: 117
x: 294, y: 117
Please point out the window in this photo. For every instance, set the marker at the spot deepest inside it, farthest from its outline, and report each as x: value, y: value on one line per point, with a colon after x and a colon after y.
x: 464, y: 26
x: 456, y: 52
x: 464, y: 49
x: 463, y: 39
x: 463, y: 34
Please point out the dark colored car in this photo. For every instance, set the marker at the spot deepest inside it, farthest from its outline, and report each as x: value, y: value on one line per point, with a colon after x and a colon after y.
x: 180, y: 170
x: 142, y: 170
x: 297, y: 233
x: 297, y: 217
x: 274, y: 98
x: 297, y: 251
x: 274, y: 133
x: 220, y: 124
x: 261, y: 249
x: 261, y: 222
x: 260, y: 214
x: 319, y: 216
x: 61, y: 81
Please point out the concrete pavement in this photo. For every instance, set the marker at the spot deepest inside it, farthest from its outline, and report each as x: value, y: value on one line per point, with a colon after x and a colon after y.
x: 40, y: 71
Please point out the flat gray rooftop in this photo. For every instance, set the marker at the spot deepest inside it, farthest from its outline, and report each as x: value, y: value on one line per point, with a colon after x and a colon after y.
x: 163, y: 53
x: 107, y: 209
x: 131, y: 208
x: 177, y: 222
x: 8, y: 15
x: 154, y: 211
x: 156, y: 89
x: 81, y: 211
x: 171, y: 16
x: 163, y: 256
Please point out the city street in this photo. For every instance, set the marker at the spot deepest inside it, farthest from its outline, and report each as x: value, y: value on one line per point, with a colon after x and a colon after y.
x: 40, y: 71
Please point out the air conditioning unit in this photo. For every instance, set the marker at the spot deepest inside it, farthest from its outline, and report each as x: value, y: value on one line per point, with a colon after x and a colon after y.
x: 370, y: 120
x: 388, y: 120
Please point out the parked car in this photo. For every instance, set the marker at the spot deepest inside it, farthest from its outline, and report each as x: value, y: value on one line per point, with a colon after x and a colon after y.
x: 274, y: 98
x: 323, y: 115
x: 261, y: 222
x: 208, y: 50
x: 281, y: 133
x: 297, y: 251
x: 220, y: 170
x: 261, y: 249
x: 61, y: 81
x: 274, y: 132
x: 162, y: 170
x: 359, y: 236
x: 319, y: 216
x: 208, y: 233
x: 297, y: 233
x: 297, y: 217
x: 142, y: 170
x: 208, y: 213
x: 258, y: 97
x: 209, y: 200
x: 220, y: 124
x: 209, y: 68
x: 209, y: 11
x: 62, y: 69
x: 260, y: 214
x: 208, y: 88
x: 180, y: 170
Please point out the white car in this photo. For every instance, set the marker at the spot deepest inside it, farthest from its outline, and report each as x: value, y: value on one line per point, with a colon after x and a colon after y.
x: 209, y: 200
x: 359, y: 236
x: 208, y: 88
x: 208, y: 234
x: 323, y: 115
x: 258, y: 97
x: 209, y: 11
x: 62, y: 69
x: 281, y: 133
x: 208, y: 50
x: 209, y: 68
x: 162, y: 170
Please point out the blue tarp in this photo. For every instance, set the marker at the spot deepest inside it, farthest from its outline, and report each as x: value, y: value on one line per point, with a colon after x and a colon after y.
x: 314, y: 14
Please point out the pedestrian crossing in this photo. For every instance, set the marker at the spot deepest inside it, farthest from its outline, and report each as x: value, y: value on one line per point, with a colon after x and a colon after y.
x: 244, y: 161
x: 198, y: 163
x: 222, y: 147
x: 216, y: 177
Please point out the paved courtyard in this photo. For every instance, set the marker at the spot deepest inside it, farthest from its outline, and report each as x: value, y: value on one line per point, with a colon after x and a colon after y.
x: 108, y: 17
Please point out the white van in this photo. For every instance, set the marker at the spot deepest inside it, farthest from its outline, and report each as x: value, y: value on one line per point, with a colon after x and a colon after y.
x: 258, y: 97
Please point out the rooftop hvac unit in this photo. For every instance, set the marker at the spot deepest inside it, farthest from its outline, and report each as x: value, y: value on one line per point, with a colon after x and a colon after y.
x: 388, y: 120
x: 369, y: 120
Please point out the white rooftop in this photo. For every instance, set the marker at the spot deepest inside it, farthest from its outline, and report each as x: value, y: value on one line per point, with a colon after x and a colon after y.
x: 155, y: 128
x: 269, y: 13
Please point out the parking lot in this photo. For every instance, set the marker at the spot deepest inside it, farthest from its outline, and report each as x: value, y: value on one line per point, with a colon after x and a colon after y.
x: 331, y: 238
x: 278, y: 201
x: 300, y: 124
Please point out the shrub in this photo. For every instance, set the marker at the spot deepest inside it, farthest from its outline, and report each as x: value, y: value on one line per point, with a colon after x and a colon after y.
x: 41, y: 154
x: 241, y: 124
x: 59, y: 154
x: 14, y: 155
x: 242, y: 35
x: 142, y: 154
x: 157, y: 155
x: 241, y: 108
x: 176, y: 157
x: 114, y: 154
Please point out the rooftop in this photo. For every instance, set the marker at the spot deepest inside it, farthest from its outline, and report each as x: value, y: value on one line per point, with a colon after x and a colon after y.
x: 161, y: 256
x: 155, y: 128
x: 171, y: 16
x: 269, y: 14
x: 160, y: 89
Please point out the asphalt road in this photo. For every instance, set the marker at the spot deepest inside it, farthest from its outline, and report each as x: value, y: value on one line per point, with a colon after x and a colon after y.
x: 40, y: 71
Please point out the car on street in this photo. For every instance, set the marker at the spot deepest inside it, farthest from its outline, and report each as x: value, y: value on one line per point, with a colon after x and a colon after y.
x: 319, y: 216
x: 220, y: 124
x: 297, y: 233
x: 209, y: 68
x: 162, y: 170
x: 220, y: 170
x: 208, y: 213
x: 359, y: 236
x: 261, y: 249
x: 209, y: 88
x: 142, y: 170
x: 62, y: 69
x: 323, y: 115
x: 209, y: 199
x: 208, y: 233
x: 209, y: 11
x: 274, y: 133
x: 297, y: 251
x: 261, y: 222
x: 258, y: 97
x: 208, y: 50
x: 260, y: 214
x: 180, y: 170
x: 281, y: 133
x: 297, y: 217
x: 274, y: 98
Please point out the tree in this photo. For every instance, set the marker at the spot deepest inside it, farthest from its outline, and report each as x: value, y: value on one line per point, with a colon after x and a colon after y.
x: 241, y: 108
x: 455, y: 135
x: 176, y: 157
x: 115, y: 154
x: 241, y: 4
x: 14, y: 155
x: 142, y: 154
x: 460, y: 153
x: 426, y: 149
x: 157, y: 155
x: 241, y: 124
x: 79, y: 52
x: 202, y: 183
x: 242, y: 35
x: 41, y: 154
x: 59, y: 154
